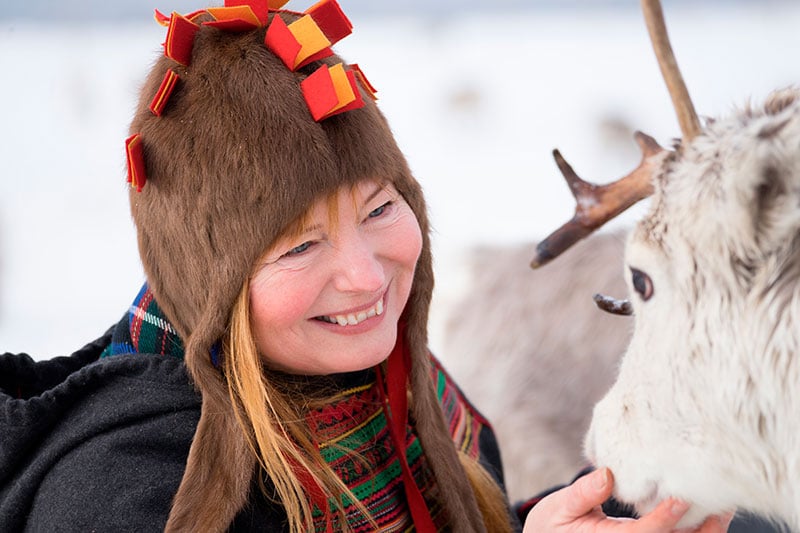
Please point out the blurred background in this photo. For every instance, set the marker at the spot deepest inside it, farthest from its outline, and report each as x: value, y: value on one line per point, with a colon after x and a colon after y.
x: 477, y: 93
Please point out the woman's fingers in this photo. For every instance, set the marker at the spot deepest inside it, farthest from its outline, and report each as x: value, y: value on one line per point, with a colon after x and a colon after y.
x: 713, y: 524
x: 574, y: 506
x: 587, y: 492
x: 664, y: 517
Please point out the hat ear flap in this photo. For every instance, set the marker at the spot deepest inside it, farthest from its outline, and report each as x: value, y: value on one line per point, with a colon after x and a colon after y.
x: 220, y: 467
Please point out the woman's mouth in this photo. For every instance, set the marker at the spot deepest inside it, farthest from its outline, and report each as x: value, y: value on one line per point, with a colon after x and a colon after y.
x: 353, y: 319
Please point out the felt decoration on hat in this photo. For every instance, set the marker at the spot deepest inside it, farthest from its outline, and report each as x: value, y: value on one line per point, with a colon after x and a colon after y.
x: 297, y: 44
x: 180, y: 39
x: 310, y: 37
x: 163, y: 19
x: 362, y: 79
x: 260, y: 8
x: 234, y: 18
x: 135, y: 158
x: 331, y: 20
x: 330, y: 91
x: 164, y: 91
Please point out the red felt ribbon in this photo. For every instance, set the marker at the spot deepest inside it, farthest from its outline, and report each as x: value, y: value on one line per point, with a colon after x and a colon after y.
x: 260, y: 7
x: 180, y: 39
x: 331, y: 20
x: 134, y: 154
x: 319, y: 90
x: 365, y: 83
x: 280, y: 40
x: 164, y: 91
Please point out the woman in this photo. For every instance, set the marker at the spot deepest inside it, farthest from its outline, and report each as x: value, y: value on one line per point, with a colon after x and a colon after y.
x: 273, y: 372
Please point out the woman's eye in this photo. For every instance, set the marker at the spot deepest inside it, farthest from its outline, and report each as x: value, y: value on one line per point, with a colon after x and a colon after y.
x: 642, y: 283
x: 299, y: 249
x: 379, y: 211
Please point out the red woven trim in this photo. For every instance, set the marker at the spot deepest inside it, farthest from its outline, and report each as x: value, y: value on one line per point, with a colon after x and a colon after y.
x: 135, y: 158
x: 315, y: 493
x: 164, y: 91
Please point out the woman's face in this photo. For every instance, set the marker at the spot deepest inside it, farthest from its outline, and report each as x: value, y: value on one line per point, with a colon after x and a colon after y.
x: 328, y: 301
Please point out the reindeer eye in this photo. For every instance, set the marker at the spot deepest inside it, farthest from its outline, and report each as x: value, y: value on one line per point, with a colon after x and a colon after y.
x: 642, y: 283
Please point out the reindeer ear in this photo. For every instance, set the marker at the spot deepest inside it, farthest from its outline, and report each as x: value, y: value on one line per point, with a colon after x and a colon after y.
x: 774, y: 206
x: 768, y: 194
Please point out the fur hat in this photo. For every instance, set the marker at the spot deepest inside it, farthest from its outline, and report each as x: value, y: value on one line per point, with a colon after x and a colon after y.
x: 235, y: 157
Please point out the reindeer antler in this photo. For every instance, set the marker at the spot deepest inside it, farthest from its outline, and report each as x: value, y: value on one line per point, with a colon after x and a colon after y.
x: 657, y: 28
x: 597, y: 204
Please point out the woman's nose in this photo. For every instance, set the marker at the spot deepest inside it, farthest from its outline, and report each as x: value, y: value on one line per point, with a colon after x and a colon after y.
x: 358, y: 266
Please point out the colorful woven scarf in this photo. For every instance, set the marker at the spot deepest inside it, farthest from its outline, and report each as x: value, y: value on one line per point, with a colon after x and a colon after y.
x: 352, y: 431
x: 148, y: 330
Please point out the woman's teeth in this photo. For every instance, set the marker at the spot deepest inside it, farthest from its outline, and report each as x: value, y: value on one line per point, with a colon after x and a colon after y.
x: 353, y: 319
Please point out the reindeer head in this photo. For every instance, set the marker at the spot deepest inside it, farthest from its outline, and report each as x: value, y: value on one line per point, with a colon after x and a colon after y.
x: 706, y: 397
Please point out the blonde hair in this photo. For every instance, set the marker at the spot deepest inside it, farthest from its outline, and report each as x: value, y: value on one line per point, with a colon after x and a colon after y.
x: 276, y: 431
x: 280, y: 439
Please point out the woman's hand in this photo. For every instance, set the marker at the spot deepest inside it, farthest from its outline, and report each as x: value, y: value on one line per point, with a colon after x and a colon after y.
x: 576, y: 509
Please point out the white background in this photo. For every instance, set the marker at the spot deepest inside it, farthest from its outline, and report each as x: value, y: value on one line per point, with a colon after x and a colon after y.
x: 477, y: 102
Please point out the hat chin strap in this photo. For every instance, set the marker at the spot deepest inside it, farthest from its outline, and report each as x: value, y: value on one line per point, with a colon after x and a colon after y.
x: 394, y: 394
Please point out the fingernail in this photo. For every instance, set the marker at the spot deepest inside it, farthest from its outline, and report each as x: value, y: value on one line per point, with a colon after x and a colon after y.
x: 600, y: 479
x: 726, y: 520
x: 679, y: 508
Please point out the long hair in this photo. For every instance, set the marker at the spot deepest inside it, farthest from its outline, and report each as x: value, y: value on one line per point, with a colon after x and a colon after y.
x: 275, y: 428
x: 283, y: 445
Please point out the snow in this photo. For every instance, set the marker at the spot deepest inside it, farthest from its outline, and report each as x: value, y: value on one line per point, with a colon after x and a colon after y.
x: 477, y: 102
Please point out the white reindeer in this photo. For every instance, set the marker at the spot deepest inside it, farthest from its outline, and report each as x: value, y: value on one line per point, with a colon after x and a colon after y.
x: 705, y: 401
x: 707, y: 393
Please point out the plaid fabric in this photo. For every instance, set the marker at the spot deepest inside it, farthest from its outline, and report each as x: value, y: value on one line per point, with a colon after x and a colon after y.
x: 351, y: 432
x: 148, y: 330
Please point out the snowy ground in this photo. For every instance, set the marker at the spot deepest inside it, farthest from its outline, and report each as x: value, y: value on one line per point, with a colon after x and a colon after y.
x: 477, y: 103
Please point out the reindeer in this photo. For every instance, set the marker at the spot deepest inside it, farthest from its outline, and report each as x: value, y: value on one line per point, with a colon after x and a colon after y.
x: 707, y: 392
x: 533, y: 357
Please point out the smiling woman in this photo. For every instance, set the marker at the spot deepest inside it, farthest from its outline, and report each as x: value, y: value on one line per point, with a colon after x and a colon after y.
x: 289, y: 274
x: 332, y: 302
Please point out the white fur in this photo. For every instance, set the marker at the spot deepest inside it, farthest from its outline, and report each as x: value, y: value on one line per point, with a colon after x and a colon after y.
x: 706, y: 406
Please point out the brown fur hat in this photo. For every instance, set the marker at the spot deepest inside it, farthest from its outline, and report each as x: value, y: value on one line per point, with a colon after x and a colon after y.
x: 233, y: 160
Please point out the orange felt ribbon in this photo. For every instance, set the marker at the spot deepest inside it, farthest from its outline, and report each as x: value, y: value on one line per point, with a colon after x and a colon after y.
x: 330, y: 91
x: 297, y: 44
